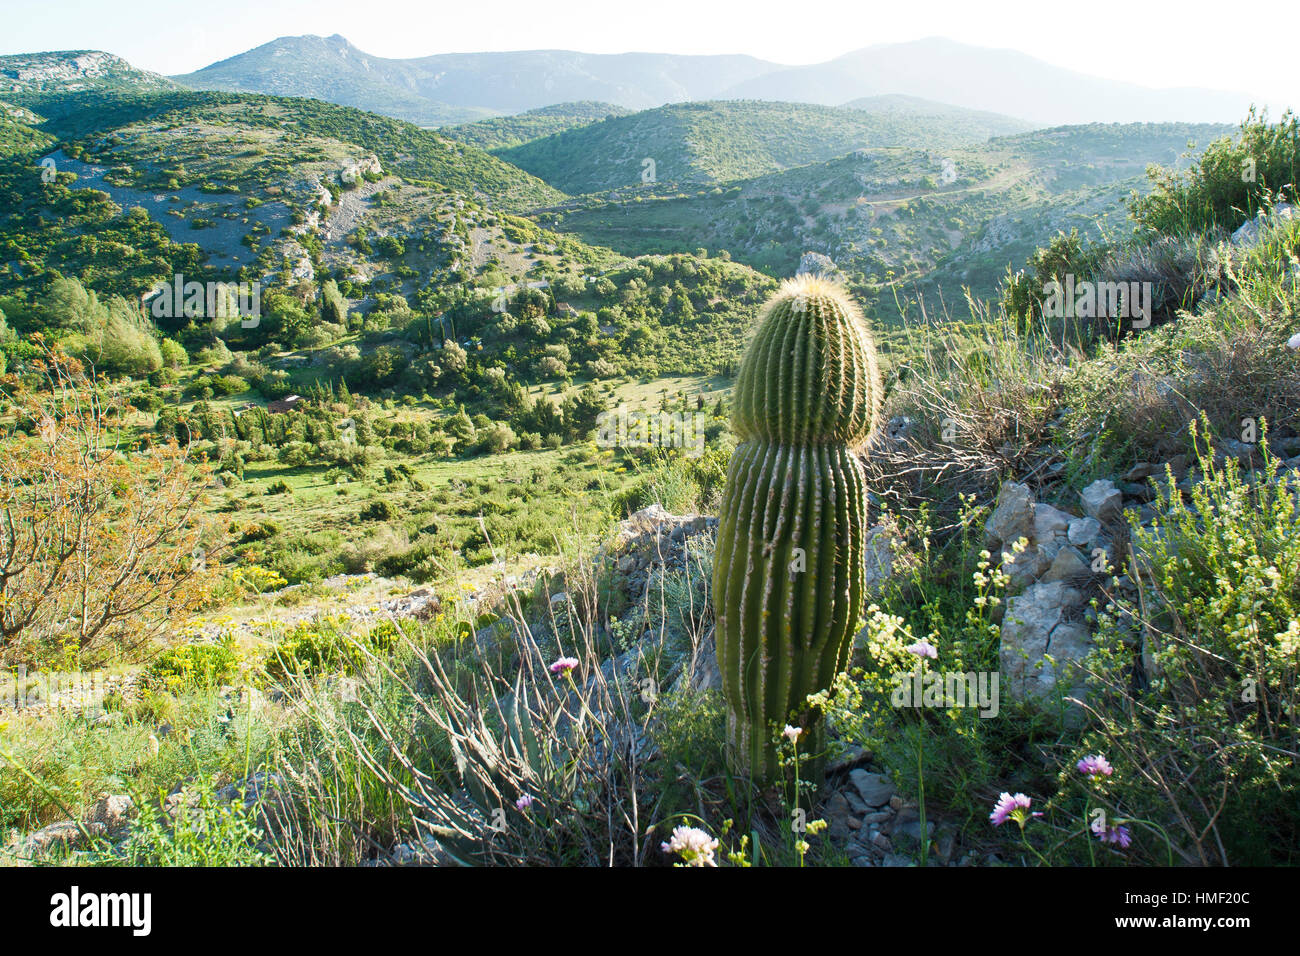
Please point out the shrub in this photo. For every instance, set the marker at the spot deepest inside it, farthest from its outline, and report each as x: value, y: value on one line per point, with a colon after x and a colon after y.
x: 498, y: 438
x: 173, y: 354
x: 327, y: 645
x: 207, y: 832
x: 1231, y: 182
x: 379, y: 510
x: 196, y: 665
x: 1196, y: 675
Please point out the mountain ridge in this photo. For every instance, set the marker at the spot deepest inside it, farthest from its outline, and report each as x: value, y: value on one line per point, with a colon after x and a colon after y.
x: 436, y: 87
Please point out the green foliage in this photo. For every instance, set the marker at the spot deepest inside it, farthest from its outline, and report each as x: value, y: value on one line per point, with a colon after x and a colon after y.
x: 379, y: 510
x: 502, y: 132
x: 1233, y: 180
x: 332, y: 307
x: 172, y: 353
x: 189, y: 666
x: 690, y: 730
x: 205, y: 832
x: 1204, y: 740
x: 327, y: 646
x: 723, y: 141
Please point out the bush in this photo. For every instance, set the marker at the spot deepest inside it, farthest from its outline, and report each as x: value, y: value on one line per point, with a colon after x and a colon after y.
x: 379, y: 510
x: 1200, y: 720
x: 327, y: 645
x: 1231, y: 182
x: 259, y: 531
x: 173, y: 354
x: 195, y: 665
x: 498, y: 438
x: 211, y: 832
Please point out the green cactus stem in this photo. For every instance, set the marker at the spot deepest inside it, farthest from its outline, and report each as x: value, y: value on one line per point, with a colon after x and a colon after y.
x: 790, y: 572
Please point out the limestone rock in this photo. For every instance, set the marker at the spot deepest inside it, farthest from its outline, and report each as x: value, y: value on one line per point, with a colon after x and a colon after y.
x: 113, y: 812
x: 879, y: 557
x: 1069, y: 565
x: 1083, y: 532
x: 875, y: 789
x: 1048, y: 521
x: 1013, y: 518
x: 1035, y: 627
x: 1248, y: 233
x: 1102, y: 500
x: 816, y: 264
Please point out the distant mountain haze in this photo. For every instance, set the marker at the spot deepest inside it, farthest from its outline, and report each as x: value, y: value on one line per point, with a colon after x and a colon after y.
x: 460, y: 87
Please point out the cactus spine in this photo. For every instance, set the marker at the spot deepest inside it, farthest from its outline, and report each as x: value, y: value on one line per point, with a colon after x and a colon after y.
x: 789, y: 571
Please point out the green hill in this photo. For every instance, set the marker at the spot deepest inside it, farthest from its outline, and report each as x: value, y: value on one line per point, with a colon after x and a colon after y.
x: 902, y: 215
x: 503, y: 132
x: 295, y: 194
x: 18, y: 131
x: 722, y: 141
x: 415, y: 153
x: 974, y: 123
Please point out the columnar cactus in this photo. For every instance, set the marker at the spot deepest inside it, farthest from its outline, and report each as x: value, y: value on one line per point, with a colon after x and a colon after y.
x: 789, y: 571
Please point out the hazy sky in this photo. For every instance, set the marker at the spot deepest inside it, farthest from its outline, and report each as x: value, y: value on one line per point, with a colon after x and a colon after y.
x: 1247, y: 47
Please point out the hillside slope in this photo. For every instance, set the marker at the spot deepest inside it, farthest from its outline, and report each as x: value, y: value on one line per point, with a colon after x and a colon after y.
x: 331, y: 69
x: 503, y: 132
x: 416, y: 153
x: 73, y: 71
x: 721, y: 141
x: 901, y: 215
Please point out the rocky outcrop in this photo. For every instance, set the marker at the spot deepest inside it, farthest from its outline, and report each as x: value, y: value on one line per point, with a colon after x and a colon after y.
x: 1013, y: 516
x: 654, y: 540
x: 1044, y: 640
x: 1248, y: 234
x: 358, y: 168
x: 1048, y: 555
x: 1103, y: 501
x: 108, y: 817
x: 815, y: 263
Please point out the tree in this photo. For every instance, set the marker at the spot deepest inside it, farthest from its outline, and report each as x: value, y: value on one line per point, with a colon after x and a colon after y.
x: 173, y: 353
x: 452, y: 358
x: 99, y: 550
x: 582, y: 412
x: 69, y: 306
x: 332, y: 307
x: 460, y: 429
x: 126, y: 341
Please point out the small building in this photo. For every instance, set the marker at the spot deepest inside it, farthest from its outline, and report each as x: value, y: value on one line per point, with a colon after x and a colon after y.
x: 281, y: 405
x: 563, y: 308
